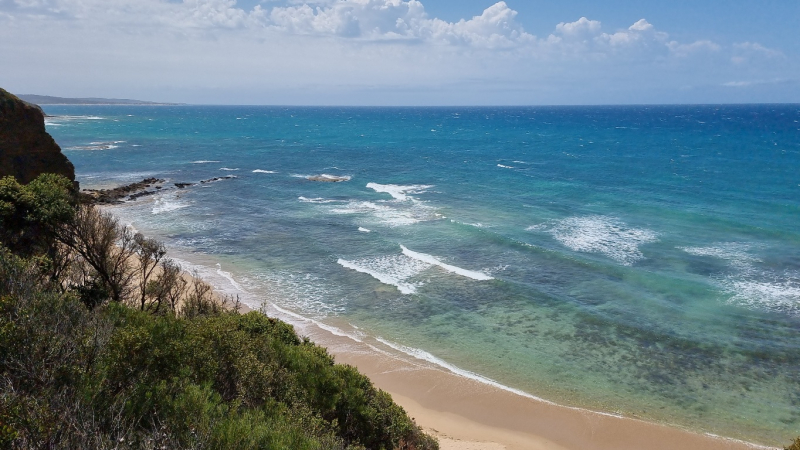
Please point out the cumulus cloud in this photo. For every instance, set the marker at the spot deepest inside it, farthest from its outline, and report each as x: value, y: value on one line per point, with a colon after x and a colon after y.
x: 318, y: 47
x: 580, y: 29
x: 640, y: 33
x: 397, y: 19
x: 684, y: 50
x: 362, y: 20
x: 585, y: 37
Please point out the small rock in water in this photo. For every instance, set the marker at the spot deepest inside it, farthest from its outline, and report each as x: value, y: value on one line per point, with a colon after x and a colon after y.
x: 328, y: 178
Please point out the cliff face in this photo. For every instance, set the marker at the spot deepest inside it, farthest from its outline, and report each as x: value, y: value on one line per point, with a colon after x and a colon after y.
x: 26, y: 150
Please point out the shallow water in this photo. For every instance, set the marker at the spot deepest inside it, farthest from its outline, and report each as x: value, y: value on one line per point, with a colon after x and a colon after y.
x: 635, y: 260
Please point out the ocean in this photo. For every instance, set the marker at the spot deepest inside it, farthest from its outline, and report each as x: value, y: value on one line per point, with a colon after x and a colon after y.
x: 636, y: 260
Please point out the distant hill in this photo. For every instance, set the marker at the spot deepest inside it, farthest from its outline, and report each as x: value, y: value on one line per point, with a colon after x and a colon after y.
x: 49, y: 100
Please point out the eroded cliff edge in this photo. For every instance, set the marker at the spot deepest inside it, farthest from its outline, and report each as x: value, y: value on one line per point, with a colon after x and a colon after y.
x: 26, y: 149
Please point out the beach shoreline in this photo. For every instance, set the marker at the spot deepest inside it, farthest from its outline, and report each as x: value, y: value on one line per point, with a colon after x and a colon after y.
x: 465, y: 413
x: 468, y: 414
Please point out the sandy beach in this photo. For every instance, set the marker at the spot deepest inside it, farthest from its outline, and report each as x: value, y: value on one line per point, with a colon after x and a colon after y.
x: 466, y: 414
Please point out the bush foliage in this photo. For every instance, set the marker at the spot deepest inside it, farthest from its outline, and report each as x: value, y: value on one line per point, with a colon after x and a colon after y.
x: 84, y: 364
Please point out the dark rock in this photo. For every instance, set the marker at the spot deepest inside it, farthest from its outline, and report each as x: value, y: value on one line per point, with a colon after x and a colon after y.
x: 211, y: 180
x: 183, y: 185
x: 116, y: 195
x: 328, y: 178
x: 26, y: 149
x: 140, y: 194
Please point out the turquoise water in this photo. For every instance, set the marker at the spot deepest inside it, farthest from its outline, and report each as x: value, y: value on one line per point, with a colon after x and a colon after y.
x: 635, y: 260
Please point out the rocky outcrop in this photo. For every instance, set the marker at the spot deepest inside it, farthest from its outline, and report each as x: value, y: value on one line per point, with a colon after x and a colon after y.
x: 325, y: 178
x: 26, y: 150
x: 120, y: 194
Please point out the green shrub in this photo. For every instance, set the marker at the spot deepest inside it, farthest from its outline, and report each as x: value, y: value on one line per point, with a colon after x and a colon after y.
x: 78, y: 371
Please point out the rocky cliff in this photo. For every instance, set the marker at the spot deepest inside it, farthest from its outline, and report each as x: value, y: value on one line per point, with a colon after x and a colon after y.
x: 26, y: 150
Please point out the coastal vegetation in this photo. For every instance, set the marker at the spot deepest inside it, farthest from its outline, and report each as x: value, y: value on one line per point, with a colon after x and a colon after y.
x: 105, y: 343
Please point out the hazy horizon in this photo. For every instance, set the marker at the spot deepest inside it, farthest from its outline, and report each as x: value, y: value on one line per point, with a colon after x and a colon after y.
x: 403, y: 52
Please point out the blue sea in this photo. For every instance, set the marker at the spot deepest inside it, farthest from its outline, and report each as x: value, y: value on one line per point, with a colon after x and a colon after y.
x: 637, y: 260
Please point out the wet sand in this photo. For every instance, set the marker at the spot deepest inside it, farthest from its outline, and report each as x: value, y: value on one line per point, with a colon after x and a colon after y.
x: 466, y: 414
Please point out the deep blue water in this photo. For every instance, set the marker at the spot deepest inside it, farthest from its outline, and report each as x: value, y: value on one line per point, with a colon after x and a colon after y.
x: 640, y: 260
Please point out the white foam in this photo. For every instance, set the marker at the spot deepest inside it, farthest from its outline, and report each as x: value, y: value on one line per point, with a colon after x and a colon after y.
x: 600, y: 234
x: 214, y: 277
x: 505, y: 167
x: 781, y: 294
x: 70, y: 118
x: 308, y: 293
x: 389, y: 213
x: 398, y: 192
x: 228, y: 169
x: 735, y: 253
x: 391, y: 270
x: 204, y: 162
x: 432, y: 260
x: 316, y: 200
x: 428, y: 357
x: 229, y: 277
x: 96, y: 146
x: 331, y: 329
x: 751, y: 286
x: 167, y: 204
x: 364, y: 230
x: 264, y: 171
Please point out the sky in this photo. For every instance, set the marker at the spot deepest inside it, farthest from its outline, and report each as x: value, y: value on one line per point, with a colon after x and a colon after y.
x: 404, y: 52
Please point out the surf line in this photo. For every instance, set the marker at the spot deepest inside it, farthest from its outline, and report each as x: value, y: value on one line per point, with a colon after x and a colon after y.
x: 435, y: 262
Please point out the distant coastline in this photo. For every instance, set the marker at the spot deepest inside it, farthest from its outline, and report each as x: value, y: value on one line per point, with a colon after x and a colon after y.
x: 50, y: 100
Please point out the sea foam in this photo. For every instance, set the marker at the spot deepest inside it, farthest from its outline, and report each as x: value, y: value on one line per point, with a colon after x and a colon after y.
x: 402, y: 210
x: 389, y: 213
x: 316, y: 200
x: 391, y: 270
x: 770, y: 292
x: 168, y: 203
x: 750, y: 286
x: 735, y: 253
x: 264, y: 171
x: 398, y: 192
x: 600, y: 234
x: 432, y: 260
x: 98, y: 146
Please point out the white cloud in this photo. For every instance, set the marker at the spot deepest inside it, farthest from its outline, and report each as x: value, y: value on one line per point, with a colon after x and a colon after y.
x: 382, y: 19
x: 581, y: 28
x: 747, y: 51
x: 684, y: 50
x: 388, y: 48
x: 640, y: 33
